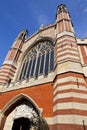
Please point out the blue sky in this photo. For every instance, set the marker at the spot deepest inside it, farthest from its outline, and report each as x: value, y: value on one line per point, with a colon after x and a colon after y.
x: 16, y: 15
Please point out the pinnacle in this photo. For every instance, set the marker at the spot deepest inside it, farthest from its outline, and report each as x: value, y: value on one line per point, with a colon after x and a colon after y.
x: 61, y: 8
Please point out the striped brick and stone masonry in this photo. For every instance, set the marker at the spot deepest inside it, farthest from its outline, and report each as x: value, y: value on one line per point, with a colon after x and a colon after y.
x: 9, y: 66
x: 70, y: 87
x: 61, y: 96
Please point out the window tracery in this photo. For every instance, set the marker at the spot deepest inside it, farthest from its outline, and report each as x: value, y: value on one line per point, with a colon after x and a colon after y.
x: 39, y: 60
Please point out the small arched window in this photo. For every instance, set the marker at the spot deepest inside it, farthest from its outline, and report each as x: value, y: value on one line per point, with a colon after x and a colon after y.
x: 38, y: 61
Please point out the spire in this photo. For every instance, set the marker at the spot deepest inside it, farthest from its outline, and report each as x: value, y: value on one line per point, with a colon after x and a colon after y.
x: 63, y: 19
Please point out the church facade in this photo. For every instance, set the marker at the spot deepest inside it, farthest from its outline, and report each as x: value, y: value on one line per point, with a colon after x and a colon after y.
x: 44, y: 79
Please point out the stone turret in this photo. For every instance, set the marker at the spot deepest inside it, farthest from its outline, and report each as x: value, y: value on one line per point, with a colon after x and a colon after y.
x: 9, y: 66
x: 68, y: 72
x: 63, y: 19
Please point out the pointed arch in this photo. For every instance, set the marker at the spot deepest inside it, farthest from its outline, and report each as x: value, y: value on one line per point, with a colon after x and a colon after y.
x: 38, y: 39
x: 17, y: 100
x: 38, y: 59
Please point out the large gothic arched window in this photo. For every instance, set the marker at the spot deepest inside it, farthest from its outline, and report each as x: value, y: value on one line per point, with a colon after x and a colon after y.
x: 38, y: 61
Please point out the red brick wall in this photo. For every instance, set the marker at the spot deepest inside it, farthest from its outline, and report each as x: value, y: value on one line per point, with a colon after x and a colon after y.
x: 42, y: 95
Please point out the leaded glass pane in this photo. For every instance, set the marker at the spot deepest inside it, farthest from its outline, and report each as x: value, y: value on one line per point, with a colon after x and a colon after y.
x: 47, y: 64
x: 52, y: 60
x: 33, y: 67
x: 26, y: 64
x: 42, y: 64
x: 22, y: 71
x: 28, y: 71
x: 37, y: 67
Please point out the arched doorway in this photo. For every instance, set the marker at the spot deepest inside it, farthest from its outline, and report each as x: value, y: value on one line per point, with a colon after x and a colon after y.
x: 25, y: 117
x: 20, y: 107
x: 22, y: 113
x: 21, y: 124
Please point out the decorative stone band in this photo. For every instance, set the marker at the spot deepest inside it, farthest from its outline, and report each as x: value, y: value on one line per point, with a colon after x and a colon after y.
x: 81, y: 88
x: 7, y: 72
x: 70, y: 94
x: 64, y: 67
x: 70, y: 119
x: 67, y: 119
x: 70, y: 99
x: 67, y: 50
x: 70, y: 106
x: 10, y: 63
x: 65, y: 33
x: 66, y: 79
x: 67, y: 55
x: 66, y: 39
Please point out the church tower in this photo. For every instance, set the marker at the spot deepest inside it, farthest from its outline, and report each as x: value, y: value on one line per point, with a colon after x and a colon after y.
x: 69, y: 85
x: 43, y: 80
x: 9, y: 66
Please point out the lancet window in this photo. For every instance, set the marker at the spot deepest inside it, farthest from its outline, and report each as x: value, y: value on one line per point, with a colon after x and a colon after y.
x: 38, y: 61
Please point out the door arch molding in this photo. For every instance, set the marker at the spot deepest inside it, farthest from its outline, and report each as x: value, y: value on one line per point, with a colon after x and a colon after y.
x: 13, y: 103
x: 17, y: 100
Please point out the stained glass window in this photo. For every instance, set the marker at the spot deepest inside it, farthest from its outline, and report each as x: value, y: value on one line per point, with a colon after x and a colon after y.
x: 38, y: 61
x: 42, y: 64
